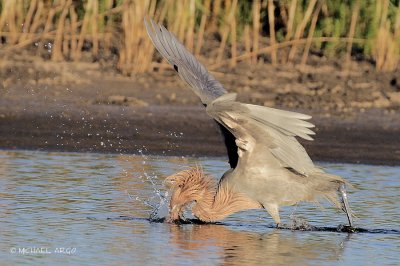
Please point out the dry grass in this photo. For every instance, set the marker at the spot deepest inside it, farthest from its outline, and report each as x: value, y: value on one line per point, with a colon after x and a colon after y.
x: 71, y: 30
x: 386, y: 50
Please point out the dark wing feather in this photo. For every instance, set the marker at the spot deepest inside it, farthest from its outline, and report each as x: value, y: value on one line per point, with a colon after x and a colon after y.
x: 230, y: 144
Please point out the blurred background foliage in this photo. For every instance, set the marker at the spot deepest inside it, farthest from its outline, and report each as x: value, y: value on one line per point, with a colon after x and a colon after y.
x: 280, y: 32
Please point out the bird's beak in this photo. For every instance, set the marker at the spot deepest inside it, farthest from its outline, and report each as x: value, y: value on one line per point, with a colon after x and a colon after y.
x: 172, y: 180
x: 174, y: 214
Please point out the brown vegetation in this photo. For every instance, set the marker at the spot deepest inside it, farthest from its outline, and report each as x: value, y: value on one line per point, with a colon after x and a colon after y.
x: 108, y: 29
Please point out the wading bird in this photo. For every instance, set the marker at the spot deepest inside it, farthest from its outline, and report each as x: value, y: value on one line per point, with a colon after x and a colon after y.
x: 269, y: 167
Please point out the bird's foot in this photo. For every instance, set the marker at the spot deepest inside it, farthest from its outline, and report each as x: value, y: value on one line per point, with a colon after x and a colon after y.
x: 347, y: 229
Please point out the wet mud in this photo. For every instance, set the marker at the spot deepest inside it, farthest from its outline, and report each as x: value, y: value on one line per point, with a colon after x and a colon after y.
x: 84, y: 108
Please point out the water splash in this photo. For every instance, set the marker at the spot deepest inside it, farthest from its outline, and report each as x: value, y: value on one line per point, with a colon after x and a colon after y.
x: 158, y: 208
x: 298, y: 223
x: 158, y: 202
x: 49, y: 47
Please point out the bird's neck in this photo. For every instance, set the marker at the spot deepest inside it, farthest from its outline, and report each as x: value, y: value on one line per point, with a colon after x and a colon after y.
x: 216, y: 204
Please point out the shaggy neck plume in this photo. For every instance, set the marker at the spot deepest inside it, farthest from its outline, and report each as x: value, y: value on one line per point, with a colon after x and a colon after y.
x: 214, y: 204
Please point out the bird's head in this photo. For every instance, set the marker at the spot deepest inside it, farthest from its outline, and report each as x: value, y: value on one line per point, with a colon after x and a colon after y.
x: 187, y: 186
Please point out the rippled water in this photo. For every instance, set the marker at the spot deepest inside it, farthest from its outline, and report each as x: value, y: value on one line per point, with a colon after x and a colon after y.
x: 75, y: 208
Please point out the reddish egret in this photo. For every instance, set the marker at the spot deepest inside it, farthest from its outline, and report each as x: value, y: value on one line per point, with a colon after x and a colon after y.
x: 269, y: 167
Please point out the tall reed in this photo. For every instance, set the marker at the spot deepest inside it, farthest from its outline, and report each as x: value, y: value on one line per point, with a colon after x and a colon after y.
x: 286, y: 31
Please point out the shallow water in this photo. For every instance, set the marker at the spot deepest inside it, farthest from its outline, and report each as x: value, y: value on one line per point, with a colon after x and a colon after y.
x: 76, y: 208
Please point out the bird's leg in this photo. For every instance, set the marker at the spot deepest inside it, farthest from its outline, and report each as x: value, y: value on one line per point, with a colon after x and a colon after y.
x: 273, y: 210
x: 345, y: 203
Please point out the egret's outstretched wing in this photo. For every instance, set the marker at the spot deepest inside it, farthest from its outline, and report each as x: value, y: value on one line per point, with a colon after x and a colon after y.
x: 187, y: 66
x: 275, y: 128
x: 272, y: 129
x: 194, y: 73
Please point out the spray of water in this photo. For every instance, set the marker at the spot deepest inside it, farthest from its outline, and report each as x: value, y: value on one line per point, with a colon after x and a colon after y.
x: 158, y: 204
x: 159, y: 201
x: 298, y: 223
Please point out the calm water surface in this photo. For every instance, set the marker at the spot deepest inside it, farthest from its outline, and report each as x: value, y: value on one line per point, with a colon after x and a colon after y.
x: 71, y: 208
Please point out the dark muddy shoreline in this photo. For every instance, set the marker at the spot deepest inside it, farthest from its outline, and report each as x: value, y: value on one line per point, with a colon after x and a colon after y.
x: 84, y: 108
x: 368, y: 138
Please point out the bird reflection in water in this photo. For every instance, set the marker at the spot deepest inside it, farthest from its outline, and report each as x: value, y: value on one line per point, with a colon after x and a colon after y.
x: 275, y: 247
